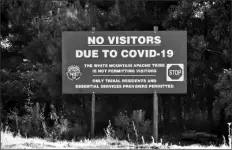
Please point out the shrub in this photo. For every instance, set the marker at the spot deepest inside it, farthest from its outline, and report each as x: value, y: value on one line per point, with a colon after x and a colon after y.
x: 75, y: 133
x: 134, y: 127
x: 59, y: 131
x: 30, y: 124
x: 224, y: 87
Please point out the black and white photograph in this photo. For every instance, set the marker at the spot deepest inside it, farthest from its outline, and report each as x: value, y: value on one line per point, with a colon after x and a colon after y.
x: 116, y: 74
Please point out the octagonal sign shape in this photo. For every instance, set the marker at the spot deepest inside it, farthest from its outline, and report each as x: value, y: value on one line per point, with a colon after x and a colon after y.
x: 175, y: 72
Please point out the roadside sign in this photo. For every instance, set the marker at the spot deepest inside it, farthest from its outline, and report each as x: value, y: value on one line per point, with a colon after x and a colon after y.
x: 124, y: 62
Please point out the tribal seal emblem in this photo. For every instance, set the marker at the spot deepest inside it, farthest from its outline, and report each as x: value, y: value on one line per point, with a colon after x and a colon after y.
x: 73, y: 72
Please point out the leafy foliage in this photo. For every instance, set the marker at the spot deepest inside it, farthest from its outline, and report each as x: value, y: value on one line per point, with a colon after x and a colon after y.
x: 224, y: 85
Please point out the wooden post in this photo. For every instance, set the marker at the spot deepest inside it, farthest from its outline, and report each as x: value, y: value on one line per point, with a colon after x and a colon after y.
x: 93, y: 107
x: 155, y: 28
x: 231, y: 38
x: 93, y: 115
x: 155, y: 108
x: 155, y: 117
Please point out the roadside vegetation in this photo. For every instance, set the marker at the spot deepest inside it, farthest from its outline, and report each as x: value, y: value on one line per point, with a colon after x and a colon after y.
x: 11, y: 141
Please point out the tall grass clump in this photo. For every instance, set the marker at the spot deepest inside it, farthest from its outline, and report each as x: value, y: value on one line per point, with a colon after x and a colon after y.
x: 109, y: 131
x: 230, y: 135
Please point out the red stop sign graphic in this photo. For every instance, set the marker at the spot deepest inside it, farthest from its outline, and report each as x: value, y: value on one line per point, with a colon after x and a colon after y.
x: 175, y: 72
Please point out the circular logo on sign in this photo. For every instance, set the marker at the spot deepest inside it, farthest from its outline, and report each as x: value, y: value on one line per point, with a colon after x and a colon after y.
x: 73, y: 72
x: 175, y: 72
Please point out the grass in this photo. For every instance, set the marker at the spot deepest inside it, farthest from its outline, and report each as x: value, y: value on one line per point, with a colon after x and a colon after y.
x: 8, y: 141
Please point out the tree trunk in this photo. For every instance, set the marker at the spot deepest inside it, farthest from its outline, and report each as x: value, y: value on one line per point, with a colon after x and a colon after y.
x: 168, y: 105
x: 87, y: 114
x: 166, y: 111
x: 179, y: 112
x: 210, y: 110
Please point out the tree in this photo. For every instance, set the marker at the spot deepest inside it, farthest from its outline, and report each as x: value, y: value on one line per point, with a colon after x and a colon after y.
x: 208, y: 37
